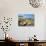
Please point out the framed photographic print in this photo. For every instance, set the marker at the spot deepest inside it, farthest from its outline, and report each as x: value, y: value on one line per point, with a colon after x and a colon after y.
x: 26, y: 20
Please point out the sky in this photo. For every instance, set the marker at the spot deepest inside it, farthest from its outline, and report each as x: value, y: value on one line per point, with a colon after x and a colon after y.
x: 27, y: 15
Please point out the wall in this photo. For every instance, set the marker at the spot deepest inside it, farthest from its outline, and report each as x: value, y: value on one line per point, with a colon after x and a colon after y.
x: 11, y: 8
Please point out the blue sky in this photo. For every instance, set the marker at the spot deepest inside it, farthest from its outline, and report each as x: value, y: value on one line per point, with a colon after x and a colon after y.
x: 27, y: 15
